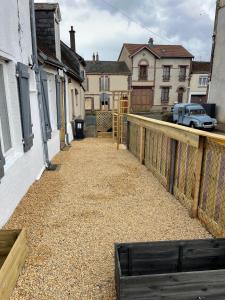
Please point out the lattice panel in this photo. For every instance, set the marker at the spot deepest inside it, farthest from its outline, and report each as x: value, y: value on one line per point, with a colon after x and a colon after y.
x: 134, y: 139
x: 212, y: 193
x: 104, y: 121
x: 157, y: 153
x: 184, y: 185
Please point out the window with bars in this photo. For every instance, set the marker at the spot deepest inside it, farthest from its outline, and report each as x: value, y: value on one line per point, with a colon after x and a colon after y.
x: 4, y: 117
x: 165, y: 91
x: 104, y: 83
x: 143, y: 72
x: 203, y: 81
x: 166, y: 73
x: 183, y: 71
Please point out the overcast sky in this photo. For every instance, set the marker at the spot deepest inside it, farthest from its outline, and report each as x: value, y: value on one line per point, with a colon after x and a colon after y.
x: 104, y: 25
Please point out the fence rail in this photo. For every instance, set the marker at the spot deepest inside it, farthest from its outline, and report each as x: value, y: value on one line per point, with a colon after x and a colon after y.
x: 189, y: 163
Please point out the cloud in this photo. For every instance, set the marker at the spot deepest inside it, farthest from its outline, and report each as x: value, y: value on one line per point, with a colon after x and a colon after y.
x: 104, y: 25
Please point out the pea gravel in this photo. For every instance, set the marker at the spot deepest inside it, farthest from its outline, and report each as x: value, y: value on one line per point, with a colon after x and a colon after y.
x: 74, y: 216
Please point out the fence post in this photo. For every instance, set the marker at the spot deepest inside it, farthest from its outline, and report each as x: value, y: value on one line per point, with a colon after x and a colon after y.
x: 197, y: 172
x: 142, y: 145
x: 173, y: 154
x: 128, y: 135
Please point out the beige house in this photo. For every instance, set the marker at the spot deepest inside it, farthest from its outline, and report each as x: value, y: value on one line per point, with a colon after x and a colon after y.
x: 160, y: 75
x: 216, y: 87
x: 199, y: 82
x: 104, y: 77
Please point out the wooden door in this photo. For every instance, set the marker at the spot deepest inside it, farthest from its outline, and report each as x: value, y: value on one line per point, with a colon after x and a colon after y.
x: 141, y: 99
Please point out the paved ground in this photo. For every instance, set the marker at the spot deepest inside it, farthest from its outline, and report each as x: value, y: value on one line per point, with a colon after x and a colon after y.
x: 75, y: 215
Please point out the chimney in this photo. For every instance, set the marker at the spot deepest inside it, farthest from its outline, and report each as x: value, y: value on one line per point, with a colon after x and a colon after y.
x: 150, y: 42
x: 97, y: 57
x: 93, y: 57
x: 72, y: 39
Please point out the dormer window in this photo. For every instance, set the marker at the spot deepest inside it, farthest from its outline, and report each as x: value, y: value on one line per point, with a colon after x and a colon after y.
x: 143, y: 70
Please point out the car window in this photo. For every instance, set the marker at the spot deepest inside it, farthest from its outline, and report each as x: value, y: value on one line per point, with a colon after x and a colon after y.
x: 197, y: 112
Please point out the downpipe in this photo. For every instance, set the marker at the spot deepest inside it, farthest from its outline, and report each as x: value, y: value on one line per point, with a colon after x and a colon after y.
x: 36, y: 69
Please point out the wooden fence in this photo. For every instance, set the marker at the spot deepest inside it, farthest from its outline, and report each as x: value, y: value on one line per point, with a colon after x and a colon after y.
x: 189, y: 163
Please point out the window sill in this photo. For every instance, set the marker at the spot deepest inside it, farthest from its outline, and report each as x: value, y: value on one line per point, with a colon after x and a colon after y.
x: 11, y: 158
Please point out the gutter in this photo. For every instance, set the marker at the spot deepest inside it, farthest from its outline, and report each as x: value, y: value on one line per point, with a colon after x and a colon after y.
x: 38, y: 83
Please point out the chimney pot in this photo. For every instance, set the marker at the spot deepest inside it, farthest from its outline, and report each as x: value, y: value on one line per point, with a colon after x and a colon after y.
x: 97, y: 57
x: 150, y: 41
x: 72, y: 39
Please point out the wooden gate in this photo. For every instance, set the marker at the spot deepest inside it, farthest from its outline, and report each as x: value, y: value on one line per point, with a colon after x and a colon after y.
x: 141, y: 99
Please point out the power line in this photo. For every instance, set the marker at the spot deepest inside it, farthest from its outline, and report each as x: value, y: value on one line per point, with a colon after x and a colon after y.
x: 141, y: 25
x: 135, y: 21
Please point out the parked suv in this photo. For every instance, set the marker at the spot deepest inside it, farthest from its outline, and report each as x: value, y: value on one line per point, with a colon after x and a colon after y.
x: 193, y: 115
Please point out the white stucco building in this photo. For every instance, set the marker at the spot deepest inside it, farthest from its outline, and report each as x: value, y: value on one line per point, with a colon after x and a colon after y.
x: 216, y: 87
x: 21, y: 154
x: 199, y: 78
x: 35, y: 106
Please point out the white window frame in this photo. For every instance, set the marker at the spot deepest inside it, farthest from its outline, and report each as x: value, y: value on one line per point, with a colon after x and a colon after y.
x: 201, y: 80
x: 5, y: 82
x: 13, y: 153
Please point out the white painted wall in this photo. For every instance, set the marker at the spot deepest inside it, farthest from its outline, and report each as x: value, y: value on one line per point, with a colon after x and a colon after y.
x: 54, y: 142
x: 217, y: 93
x: 21, y: 169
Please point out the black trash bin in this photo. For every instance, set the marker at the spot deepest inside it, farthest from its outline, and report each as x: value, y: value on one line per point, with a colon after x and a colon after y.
x: 78, y: 130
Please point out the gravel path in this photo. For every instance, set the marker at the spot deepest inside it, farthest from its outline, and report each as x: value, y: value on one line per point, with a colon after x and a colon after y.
x: 74, y: 216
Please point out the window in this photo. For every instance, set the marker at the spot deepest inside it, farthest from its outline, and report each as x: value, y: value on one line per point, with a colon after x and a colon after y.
x: 182, y: 75
x: 4, y: 118
x: 104, y: 83
x: 143, y: 72
x: 165, y: 94
x: 89, y: 103
x: 104, y: 101
x: 180, y: 94
x: 166, y: 73
x: 203, y: 81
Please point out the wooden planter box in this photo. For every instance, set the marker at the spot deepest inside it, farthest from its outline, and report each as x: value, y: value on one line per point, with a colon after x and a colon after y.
x: 173, y: 270
x: 13, y: 250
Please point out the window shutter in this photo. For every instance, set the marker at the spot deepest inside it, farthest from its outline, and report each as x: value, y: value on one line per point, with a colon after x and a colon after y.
x: 2, y: 162
x: 58, y: 104
x: 107, y: 82
x: 25, y: 111
x: 100, y: 84
x: 45, y: 101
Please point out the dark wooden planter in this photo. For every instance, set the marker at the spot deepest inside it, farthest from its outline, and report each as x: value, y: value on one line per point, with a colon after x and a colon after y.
x: 172, y: 270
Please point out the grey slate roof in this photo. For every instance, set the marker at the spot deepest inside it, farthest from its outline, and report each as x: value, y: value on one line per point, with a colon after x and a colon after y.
x: 107, y: 67
x: 71, y: 60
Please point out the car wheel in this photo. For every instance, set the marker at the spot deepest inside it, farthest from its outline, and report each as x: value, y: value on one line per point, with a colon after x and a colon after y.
x: 192, y: 125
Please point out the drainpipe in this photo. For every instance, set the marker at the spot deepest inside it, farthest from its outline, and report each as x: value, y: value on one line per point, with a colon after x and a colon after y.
x: 38, y: 83
x: 65, y: 110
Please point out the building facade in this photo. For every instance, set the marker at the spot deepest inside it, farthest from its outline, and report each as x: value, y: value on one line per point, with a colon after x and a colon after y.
x: 102, y: 78
x: 38, y: 74
x: 200, y: 72
x: 21, y: 145
x: 160, y: 75
x: 216, y: 87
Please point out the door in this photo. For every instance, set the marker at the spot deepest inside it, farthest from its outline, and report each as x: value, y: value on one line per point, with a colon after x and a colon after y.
x: 180, y: 115
x: 62, y: 129
x: 141, y: 99
x: 199, y: 99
